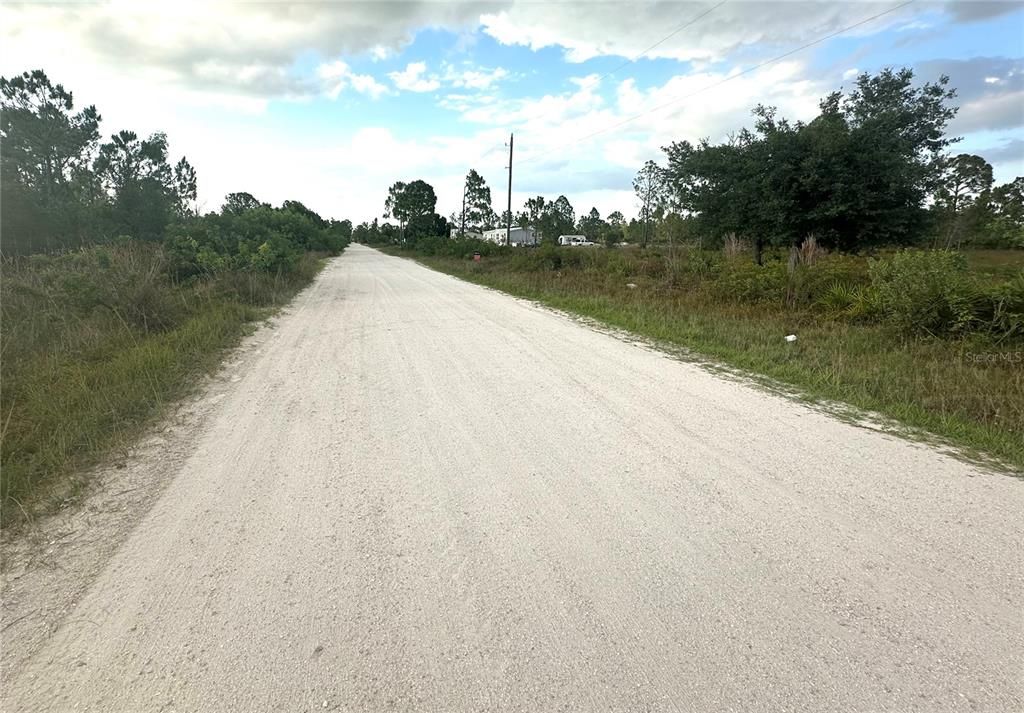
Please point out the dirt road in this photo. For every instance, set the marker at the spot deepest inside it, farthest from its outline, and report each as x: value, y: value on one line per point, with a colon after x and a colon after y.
x: 424, y: 495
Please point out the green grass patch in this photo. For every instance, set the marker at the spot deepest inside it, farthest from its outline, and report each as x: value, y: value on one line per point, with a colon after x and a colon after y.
x: 996, y: 263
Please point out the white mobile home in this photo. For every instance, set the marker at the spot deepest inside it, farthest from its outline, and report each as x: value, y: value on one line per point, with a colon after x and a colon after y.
x: 516, y: 237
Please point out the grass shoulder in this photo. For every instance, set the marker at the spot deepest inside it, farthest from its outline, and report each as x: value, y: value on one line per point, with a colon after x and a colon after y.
x: 966, y: 391
x: 98, y: 343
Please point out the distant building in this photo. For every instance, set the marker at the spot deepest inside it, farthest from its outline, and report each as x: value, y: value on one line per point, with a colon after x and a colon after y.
x: 469, y: 234
x: 517, y: 237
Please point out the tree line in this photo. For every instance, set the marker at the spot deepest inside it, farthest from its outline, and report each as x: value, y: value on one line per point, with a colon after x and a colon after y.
x: 414, y: 206
x: 874, y: 168
x: 62, y: 187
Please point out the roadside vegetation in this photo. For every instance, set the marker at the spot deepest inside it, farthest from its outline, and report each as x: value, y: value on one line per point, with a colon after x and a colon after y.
x: 897, y: 264
x: 116, y: 295
x: 913, y: 336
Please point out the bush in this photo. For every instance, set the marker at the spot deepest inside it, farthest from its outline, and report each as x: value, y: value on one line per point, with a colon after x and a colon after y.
x: 850, y: 302
x: 546, y: 258
x: 808, y: 284
x: 745, y: 281
x: 261, y: 238
x: 925, y: 291
x: 1002, y: 309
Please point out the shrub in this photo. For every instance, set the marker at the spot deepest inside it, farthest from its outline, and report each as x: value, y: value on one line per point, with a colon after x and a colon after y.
x: 808, y: 282
x: 1002, y: 310
x: 545, y: 258
x: 618, y: 264
x: 925, y: 291
x: 858, y: 302
x: 703, y: 264
x: 649, y: 266
x: 745, y: 281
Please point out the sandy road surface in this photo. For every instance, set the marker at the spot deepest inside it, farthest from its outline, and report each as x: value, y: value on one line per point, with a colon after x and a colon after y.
x: 424, y: 495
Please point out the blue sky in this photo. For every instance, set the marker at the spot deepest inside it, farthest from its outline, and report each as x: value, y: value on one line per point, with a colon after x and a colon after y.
x: 330, y: 103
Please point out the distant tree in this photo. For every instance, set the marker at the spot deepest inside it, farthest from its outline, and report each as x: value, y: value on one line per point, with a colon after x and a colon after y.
x: 591, y: 225
x: 612, y: 234
x: 672, y: 228
x: 388, y: 232
x: 963, y: 195
x: 139, y: 181
x: 479, y: 215
x: 534, y: 210
x: 557, y: 217
x: 240, y: 203
x: 855, y: 176
x: 633, y: 230
x: 651, y: 190
x: 185, y: 187
x: 441, y: 226
x: 614, y: 230
x: 564, y: 210
x: 299, y: 208
x: 394, y: 204
x: 46, y: 148
x: 361, y: 233
x: 421, y: 204
x: 343, y: 227
x: 1006, y: 216
x: 412, y: 205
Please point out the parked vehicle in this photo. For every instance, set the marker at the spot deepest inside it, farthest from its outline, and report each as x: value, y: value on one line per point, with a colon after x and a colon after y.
x: 574, y: 240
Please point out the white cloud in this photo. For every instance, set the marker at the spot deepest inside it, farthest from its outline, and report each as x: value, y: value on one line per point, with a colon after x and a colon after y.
x: 365, y: 84
x: 253, y: 48
x: 474, y: 78
x: 243, y: 49
x: 413, y: 79
x: 337, y: 75
x: 851, y: 73
x: 914, y: 25
x: 554, y: 127
x: 582, y: 30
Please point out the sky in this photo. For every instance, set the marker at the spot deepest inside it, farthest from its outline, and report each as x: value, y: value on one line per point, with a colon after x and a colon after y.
x: 329, y: 103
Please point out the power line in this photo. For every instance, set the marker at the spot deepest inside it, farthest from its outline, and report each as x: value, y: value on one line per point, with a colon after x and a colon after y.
x: 664, y: 39
x: 727, y: 79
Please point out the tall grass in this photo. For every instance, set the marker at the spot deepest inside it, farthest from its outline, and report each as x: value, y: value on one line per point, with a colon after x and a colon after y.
x: 96, y: 343
x: 967, y: 387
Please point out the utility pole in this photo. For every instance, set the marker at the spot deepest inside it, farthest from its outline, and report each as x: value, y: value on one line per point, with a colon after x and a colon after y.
x: 508, y: 227
x: 462, y: 227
